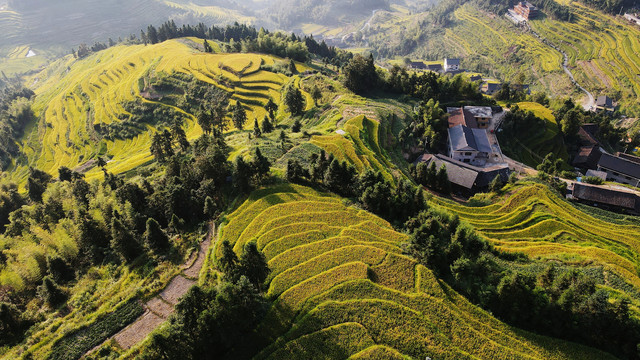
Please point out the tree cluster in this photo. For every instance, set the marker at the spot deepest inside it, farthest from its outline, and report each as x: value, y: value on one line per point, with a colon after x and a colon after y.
x: 15, y: 114
x: 560, y: 303
x: 211, y: 322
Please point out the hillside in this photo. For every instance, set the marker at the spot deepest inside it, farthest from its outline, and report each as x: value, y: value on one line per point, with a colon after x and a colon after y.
x: 490, y: 43
x: 343, y: 288
x: 93, y: 91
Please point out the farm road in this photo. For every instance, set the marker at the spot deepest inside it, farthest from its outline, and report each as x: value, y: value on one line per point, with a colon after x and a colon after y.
x: 158, y: 309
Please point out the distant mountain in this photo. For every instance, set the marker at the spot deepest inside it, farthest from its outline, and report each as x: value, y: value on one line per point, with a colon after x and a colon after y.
x: 289, y: 13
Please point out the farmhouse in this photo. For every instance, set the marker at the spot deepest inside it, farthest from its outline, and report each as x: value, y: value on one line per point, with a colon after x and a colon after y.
x: 526, y: 10
x: 490, y: 87
x: 470, y: 146
x: 632, y: 18
x: 600, y: 196
x: 418, y: 65
x: 451, y: 65
x: 621, y: 168
x: 587, y: 157
x: 604, y: 103
x: 475, y: 117
x: 466, y: 178
x: 435, y: 68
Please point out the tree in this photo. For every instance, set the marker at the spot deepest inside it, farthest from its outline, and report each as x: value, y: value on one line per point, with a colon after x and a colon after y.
x: 205, y: 120
x: 177, y: 133
x: 162, y: 146
x: 101, y: 162
x: 283, y: 139
x: 59, y: 270
x: 297, y: 125
x: 207, y: 46
x: 360, y: 74
x: 496, y: 184
x: 37, y: 184
x: 152, y: 34
x: 228, y: 262
x: 155, y: 238
x: 51, y: 293
x: 11, y: 323
x: 239, y: 116
x: 253, y: 265
x: 261, y: 165
x: 442, y: 180
x: 316, y: 94
x: 267, y: 126
x: 295, y: 173
x: 271, y: 108
x: 123, y: 241
x: 292, y: 67
x: 210, y: 208
x: 65, y: 174
x: 241, y: 174
x: 571, y: 122
x: 256, y: 128
x: 294, y: 100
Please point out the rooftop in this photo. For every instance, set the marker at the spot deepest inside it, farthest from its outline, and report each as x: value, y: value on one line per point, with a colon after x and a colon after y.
x: 620, y: 165
x: 467, y: 139
x: 479, y: 111
x: 606, y: 196
x: 452, y: 61
x: 604, y: 101
x: 466, y: 175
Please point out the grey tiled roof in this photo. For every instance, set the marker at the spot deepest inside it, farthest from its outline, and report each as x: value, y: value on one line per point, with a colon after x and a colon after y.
x: 620, y: 165
x: 466, y: 139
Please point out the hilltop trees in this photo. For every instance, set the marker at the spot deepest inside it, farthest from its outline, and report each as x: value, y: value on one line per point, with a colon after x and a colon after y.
x: 360, y: 74
x: 294, y: 100
x: 162, y: 146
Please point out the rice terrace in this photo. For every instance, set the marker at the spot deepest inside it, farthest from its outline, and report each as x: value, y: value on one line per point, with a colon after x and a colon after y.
x: 277, y: 179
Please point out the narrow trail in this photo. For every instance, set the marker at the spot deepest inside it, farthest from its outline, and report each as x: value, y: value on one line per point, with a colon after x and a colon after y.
x: 565, y: 66
x: 158, y: 309
x: 364, y: 27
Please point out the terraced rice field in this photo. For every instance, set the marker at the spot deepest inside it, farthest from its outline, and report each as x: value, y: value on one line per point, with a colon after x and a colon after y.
x: 343, y: 289
x: 74, y: 95
x: 359, y: 145
x: 538, y: 223
x: 603, y: 49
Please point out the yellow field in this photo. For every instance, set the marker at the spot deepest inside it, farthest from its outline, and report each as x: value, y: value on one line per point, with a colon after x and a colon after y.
x: 540, y: 224
x: 342, y: 289
x: 73, y: 95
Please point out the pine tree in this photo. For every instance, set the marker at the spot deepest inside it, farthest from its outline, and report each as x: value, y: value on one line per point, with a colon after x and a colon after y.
x: 253, y: 265
x: 256, y: 128
x: 122, y: 240
x: 241, y: 174
x: 271, y: 108
x: 210, y: 207
x: 51, y: 293
x: 267, y: 127
x: 261, y: 165
x: 294, y: 100
x: 228, y: 262
x: 316, y: 94
x: 239, y: 116
x: 442, y: 179
x: 154, y: 237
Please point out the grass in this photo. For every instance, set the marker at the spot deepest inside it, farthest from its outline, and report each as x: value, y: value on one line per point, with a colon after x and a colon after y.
x: 343, y: 289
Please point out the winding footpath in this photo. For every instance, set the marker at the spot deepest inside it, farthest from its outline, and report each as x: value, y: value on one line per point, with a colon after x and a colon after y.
x: 158, y: 309
x: 565, y: 65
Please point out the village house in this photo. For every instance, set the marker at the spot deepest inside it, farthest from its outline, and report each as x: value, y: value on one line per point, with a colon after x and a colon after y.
x: 466, y: 178
x: 471, y: 146
x: 451, y: 65
x: 604, y: 103
x: 526, y: 10
x: 417, y: 65
x: 621, y: 168
x: 603, y: 197
x: 589, y: 153
x: 435, y: 68
x: 475, y: 117
x: 490, y: 87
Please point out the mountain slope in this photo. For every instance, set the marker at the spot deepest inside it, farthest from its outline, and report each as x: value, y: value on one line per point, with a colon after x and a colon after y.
x: 343, y: 288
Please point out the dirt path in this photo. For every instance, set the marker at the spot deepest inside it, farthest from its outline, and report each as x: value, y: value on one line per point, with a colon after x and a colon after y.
x: 158, y: 309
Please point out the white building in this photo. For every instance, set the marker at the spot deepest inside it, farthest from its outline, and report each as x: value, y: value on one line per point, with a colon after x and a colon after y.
x: 451, y: 65
x: 470, y: 146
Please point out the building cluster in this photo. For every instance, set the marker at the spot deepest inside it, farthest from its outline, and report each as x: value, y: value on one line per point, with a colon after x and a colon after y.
x: 448, y: 66
x: 473, y: 157
x: 593, y: 160
x: 632, y: 18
